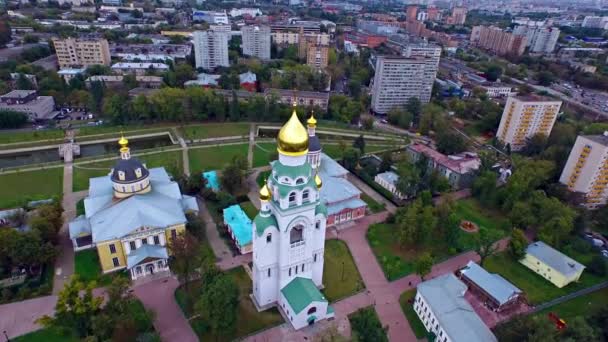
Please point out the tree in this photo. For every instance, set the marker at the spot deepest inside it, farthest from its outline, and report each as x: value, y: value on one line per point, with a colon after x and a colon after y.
x: 535, y: 145
x: 350, y: 159
x: 5, y: 33
x: 409, y: 179
x: 75, y: 309
x: 517, y: 244
x: 449, y: 142
x: 366, y: 326
x: 367, y: 123
x: 12, y: 119
x: 234, y: 108
x: 545, y: 78
x: 23, y: 83
x: 185, y: 249
x: 493, y: 72
x: 233, y: 176
x: 359, y: 143
x: 485, y: 245
x: 423, y: 265
x: 598, y: 266
x: 414, y: 107
x: 115, y: 108
x: 386, y: 163
x: 218, y: 305
x: 129, y: 81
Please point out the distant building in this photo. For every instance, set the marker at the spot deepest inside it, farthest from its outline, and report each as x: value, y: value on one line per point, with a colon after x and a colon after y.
x: 595, y: 22
x: 365, y: 40
x: 524, y: 117
x: 442, y: 308
x: 139, y: 69
x: 498, y: 41
x: 81, y: 52
x: 211, y: 48
x: 241, y: 12
x: 150, y: 52
x: 496, y: 292
x: 248, y: 81
x: 240, y: 228
x: 494, y: 90
x: 388, y: 180
x: 210, y: 17
x: 422, y: 16
x: 539, y: 39
x: 458, y: 169
x: 289, y: 34
x: 552, y: 264
x: 113, y: 81
x: 301, y: 97
x: 29, y: 77
x: 28, y: 102
x: 317, y: 56
x: 458, y: 17
x: 585, y: 170
x: 433, y: 13
x: 397, y: 79
x: 411, y: 13
x: 256, y: 41
x: 68, y: 74
x: 204, y: 80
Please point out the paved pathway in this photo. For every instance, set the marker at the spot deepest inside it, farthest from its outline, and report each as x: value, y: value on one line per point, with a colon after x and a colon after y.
x: 170, y: 323
x: 220, y: 249
x: 251, y: 144
x: 19, y: 318
x: 371, y: 192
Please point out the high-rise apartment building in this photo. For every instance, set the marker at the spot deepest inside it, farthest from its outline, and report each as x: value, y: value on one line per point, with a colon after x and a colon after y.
x: 595, y: 22
x: 433, y: 13
x: 586, y: 171
x: 81, y: 52
x: 307, y: 40
x: 399, y: 78
x: 538, y: 39
x: 256, y: 41
x: 316, y: 56
x: 459, y: 16
x: 524, y: 117
x: 498, y: 41
x: 411, y: 13
x: 211, y: 48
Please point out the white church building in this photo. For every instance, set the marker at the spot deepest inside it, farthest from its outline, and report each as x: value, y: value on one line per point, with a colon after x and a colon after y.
x: 289, y: 233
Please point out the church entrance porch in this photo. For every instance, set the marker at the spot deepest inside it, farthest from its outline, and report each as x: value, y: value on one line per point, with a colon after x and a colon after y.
x: 149, y: 269
x: 147, y: 260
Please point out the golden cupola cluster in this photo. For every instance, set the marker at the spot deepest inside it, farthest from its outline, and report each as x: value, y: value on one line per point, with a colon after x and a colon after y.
x: 293, y: 137
x: 318, y: 181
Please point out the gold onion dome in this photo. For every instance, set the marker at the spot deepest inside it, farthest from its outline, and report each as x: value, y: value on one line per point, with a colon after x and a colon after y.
x: 123, y: 141
x: 318, y: 181
x: 264, y: 193
x: 312, y: 122
x: 293, y: 137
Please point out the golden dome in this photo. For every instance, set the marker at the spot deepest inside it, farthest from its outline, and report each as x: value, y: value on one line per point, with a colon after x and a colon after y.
x: 293, y: 138
x: 318, y: 181
x: 264, y: 193
x: 123, y: 141
x: 312, y: 122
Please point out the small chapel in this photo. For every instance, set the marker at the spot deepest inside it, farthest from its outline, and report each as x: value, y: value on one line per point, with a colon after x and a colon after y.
x: 289, y: 232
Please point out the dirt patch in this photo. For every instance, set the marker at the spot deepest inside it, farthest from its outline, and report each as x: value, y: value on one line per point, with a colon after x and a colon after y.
x: 469, y: 227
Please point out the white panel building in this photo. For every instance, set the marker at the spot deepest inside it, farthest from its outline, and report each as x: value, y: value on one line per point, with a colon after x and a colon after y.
x: 256, y: 41
x: 211, y: 48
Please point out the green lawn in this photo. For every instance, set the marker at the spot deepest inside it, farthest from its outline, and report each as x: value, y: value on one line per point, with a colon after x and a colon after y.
x: 17, y: 137
x: 489, y: 220
x: 372, y: 204
x: 580, y: 306
x: 408, y: 309
x: 215, y: 130
x: 249, y: 209
x: 86, y: 265
x: 214, y: 157
x: 19, y: 187
x: 333, y: 151
x: 537, y: 289
x: 395, y: 262
x: 80, y: 207
x: 82, y: 172
x: 249, y: 320
x: 340, y: 274
x: 46, y: 335
x: 262, y: 152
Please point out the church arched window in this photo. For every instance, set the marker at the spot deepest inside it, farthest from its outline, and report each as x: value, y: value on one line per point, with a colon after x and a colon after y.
x: 121, y: 175
x: 305, y: 195
x: 269, y: 238
x: 300, y: 180
x: 138, y: 172
x: 296, y: 234
x: 292, y: 198
x: 312, y: 310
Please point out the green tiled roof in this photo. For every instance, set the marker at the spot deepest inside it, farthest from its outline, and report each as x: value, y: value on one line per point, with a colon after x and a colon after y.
x: 321, y: 209
x: 300, y: 292
x: 330, y: 309
x: 263, y: 222
x: 291, y: 171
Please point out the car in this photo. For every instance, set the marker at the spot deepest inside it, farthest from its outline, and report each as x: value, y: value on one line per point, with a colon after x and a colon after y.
x: 605, y: 253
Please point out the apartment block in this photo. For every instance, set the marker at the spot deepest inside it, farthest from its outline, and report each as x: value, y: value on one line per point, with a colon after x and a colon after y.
x: 211, y: 48
x: 81, y: 52
x: 256, y: 41
x: 595, y: 22
x: 316, y: 56
x: 539, y: 39
x: 498, y: 41
x: 399, y: 78
x: 524, y: 117
x: 306, y: 40
x: 586, y: 171
x: 28, y: 102
x: 458, y: 17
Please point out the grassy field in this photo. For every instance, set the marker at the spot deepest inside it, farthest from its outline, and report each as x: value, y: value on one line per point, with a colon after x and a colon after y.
x: 340, y: 274
x: 18, y: 137
x: 214, y: 157
x: 395, y: 261
x: 46, y: 335
x: 492, y: 221
x: 262, y: 152
x: 249, y: 320
x: 580, y: 306
x: 82, y: 172
x: 249, y: 209
x: 86, y: 265
x: 30, y: 185
x: 372, y: 204
x: 537, y: 289
x: 408, y: 309
x: 215, y: 130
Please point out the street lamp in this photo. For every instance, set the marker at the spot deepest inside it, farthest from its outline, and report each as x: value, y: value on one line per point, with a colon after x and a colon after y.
x: 342, y: 270
x: 6, y: 336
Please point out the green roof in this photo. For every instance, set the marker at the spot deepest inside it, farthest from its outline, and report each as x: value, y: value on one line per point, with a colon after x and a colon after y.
x: 321, y: 209
x: 330, y: 310
x: 263, y: 222
x: 304, y: 170
x: 300, y: 292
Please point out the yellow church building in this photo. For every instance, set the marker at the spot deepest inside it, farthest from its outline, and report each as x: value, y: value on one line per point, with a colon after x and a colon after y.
x: 130, y: 216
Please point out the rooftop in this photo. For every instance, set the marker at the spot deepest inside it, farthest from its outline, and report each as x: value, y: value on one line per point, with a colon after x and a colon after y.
x: 300, y: 292
x: 460, y: 163
x: 17, y: 94
x: 600, y: 138
x: 554, y: 258
x: 493, y: 284
x: 239, y: 224
x: 389, y: 177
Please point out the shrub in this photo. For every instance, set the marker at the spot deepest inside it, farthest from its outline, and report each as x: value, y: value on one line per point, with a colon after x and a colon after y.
x: 598, y: 266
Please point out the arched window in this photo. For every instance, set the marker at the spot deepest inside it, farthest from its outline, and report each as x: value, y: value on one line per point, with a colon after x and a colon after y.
x: 300, y: 181
x: 305, y: 195
x: 296, y: 234
x: 269, y: 238
x: 138, y: 172
x: 312, y: 310
x: 121, y: 175
x: 292, y: 198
